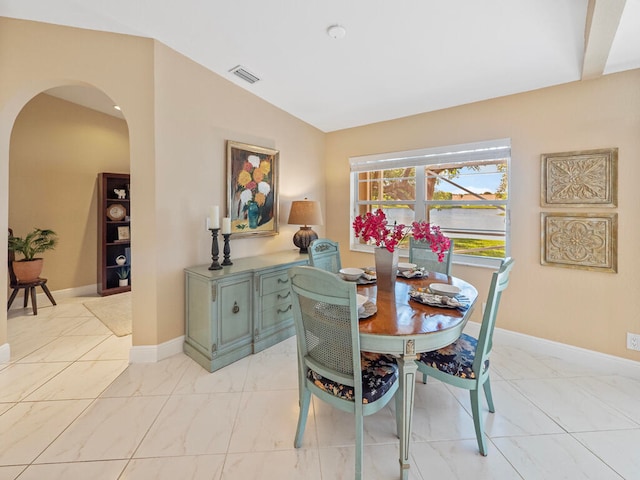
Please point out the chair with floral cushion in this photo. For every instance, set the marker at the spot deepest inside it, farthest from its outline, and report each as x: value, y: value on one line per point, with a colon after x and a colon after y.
x: 465, y: 363
x: 421, y: 254
x: 330, y: 364
x: 325, y: 254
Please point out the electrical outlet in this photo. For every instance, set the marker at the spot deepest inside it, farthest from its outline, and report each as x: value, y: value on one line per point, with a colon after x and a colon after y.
x: 633, y: 341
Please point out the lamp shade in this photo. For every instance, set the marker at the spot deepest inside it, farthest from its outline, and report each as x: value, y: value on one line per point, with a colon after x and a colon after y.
x: 305, y: 212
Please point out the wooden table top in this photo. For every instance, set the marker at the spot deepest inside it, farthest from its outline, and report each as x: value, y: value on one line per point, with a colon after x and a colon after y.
x: 397, y: 315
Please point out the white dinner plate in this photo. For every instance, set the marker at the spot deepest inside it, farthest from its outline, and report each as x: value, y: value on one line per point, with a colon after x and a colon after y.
x: 444, y: 289
x: 361, y: 299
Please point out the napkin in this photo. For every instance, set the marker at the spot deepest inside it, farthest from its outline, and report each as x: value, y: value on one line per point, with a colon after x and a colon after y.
x: 369, y: 274
x: 418, y: 273
x: 437, y: 300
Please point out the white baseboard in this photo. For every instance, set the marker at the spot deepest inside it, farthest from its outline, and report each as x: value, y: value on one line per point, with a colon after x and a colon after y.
x: 155, y: 353
x: 42, y: 300
x: 551, y: 347
x: 84, y: 291
x: 5, y: 353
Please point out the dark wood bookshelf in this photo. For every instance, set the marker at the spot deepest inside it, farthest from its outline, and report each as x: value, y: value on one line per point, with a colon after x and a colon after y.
x: 110, y: 245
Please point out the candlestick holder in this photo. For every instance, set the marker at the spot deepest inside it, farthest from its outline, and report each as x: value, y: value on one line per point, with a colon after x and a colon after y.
x: 214, y: 250
x: 227, y: 250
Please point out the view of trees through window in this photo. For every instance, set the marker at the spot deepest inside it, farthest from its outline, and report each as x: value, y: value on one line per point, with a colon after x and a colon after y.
x: 466, y: 199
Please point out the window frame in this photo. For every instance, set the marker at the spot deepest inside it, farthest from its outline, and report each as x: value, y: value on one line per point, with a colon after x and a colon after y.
x: 420, y: 159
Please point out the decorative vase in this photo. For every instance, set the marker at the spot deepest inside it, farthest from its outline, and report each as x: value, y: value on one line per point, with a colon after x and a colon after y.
x: 253, y: 211
x: 386, y: 268
x: 28, y: 270
x: 123, y: 282
x: 121, y: 260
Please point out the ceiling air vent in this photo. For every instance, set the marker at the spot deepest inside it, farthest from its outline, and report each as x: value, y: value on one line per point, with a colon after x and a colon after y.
x: 241, y: 72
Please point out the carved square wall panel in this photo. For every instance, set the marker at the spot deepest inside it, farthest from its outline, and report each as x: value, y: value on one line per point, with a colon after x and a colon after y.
x: 585, y: 240
x: 580, y: 179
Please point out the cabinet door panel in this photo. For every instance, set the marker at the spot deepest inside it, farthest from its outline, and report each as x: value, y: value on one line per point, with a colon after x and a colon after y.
x: 235, y: 312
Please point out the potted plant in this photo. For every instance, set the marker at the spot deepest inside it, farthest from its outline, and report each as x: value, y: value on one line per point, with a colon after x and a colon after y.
x: 123, y: 276
x: 37, y: 241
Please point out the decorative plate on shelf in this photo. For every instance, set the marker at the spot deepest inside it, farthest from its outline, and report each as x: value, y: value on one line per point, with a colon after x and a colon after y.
x: 116, y: 212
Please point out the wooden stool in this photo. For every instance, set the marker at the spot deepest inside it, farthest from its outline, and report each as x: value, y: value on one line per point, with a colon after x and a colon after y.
x: 29, y: 287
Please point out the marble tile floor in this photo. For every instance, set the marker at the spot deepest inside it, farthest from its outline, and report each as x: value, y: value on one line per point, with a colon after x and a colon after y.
x: 71, y: 407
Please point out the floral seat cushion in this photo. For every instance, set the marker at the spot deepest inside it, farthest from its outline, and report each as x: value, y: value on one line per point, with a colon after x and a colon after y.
x: 379, y: 372
x: 455, y: 359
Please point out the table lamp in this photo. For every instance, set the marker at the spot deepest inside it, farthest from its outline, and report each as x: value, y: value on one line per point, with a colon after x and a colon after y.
x: 305, y: 212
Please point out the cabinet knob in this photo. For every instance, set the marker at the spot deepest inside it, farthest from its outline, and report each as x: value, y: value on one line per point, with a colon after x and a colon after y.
x: 235, y: 308
x: 283, y: 281
x: 282, y: 297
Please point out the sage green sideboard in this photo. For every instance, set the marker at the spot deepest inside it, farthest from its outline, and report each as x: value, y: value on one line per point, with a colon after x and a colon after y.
x: 239, y: 310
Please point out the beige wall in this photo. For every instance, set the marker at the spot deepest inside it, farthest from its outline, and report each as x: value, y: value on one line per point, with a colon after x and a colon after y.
x: 179, y: 116
x: 592, y: 310
x: 57, y: 149
x: 196, y: 112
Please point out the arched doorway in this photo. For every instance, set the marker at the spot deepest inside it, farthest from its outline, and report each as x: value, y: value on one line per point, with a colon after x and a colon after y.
x: 57, y: 146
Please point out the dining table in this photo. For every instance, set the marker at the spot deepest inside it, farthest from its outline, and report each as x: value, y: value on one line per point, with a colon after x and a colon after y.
x: 404, y: 327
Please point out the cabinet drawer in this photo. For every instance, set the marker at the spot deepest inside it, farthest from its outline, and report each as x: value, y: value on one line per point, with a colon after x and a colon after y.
x: 276, y: 298
x: 278, y: 315
x: 275, y: 282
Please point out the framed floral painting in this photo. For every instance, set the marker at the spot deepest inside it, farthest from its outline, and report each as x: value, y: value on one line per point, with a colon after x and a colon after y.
x: 252, y: 189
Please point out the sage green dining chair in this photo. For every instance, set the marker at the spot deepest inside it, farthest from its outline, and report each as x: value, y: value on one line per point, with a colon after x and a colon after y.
x: 465, y: 363
x: 421, y: 254
x: 325, y: 254
x: 330, y: 363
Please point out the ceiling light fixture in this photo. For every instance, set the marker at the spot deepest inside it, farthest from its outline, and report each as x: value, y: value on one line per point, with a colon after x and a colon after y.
x: 336, y: 31
x: 117, y: 107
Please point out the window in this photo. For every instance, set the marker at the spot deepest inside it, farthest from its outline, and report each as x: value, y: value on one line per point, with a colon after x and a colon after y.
x: 461, y: 188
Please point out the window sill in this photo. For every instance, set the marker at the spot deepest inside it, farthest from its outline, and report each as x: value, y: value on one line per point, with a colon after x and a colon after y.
x: 466, y: 260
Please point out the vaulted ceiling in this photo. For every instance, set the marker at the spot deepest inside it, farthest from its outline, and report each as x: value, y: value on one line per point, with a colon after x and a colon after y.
x: 396, y: 58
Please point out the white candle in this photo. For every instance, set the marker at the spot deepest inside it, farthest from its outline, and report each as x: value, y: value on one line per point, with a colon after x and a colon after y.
x: 226, y: 225
x: 214, y: 216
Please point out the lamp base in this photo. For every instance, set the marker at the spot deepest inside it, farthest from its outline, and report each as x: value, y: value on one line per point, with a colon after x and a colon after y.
x: 303, y: 238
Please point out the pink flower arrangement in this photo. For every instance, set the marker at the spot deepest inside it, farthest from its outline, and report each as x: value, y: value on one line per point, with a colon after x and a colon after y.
x: 374, y: 227
x: 426, y: 232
